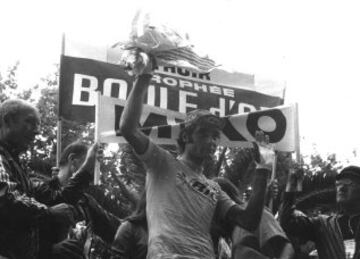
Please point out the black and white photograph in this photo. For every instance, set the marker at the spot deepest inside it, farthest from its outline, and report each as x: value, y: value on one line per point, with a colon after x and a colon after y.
x: 218, y: 129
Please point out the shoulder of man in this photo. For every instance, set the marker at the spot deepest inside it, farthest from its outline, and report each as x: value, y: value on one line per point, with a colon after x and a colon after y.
x: 4, y: 162
x: 5, y: 173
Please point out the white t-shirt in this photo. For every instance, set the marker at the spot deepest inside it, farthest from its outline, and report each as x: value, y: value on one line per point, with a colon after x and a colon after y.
x: 180, y: 207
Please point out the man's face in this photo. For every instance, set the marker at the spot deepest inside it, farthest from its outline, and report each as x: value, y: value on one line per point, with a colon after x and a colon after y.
x: 76, y: 163
x: 203, y: 141
x: 23, y: 129
x: 347, y: 191
x: 73, y: 165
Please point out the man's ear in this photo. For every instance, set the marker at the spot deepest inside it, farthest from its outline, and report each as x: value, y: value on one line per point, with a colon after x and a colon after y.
x: 71, y: 157
x: 8, y: 119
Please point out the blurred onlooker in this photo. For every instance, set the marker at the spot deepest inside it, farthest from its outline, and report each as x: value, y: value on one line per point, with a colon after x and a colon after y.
x: 332, y: 233
x: 97, y: 224
x: 267, y: 241
x: 131, y: 238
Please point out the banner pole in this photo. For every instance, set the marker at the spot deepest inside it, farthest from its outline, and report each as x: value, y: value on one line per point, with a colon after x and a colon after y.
x: 273, y: 171
x: 297, y: 134
x: 97, y: 137
x: 59, y: 122
x: 284, y: 92
x: 299, y: 186
x: 58, y: 141
x: 273, y: 176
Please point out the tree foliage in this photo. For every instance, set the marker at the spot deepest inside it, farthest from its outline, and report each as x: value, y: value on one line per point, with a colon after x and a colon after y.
x: 8, y: 83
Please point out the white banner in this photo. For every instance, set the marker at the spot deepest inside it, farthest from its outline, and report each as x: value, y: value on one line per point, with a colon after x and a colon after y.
x: 279, y: 123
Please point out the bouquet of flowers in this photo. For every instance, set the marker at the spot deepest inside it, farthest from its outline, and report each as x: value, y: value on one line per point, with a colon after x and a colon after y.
x: 150, y: 41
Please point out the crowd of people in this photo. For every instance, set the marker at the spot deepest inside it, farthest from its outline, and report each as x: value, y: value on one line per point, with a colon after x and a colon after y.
x: 180, y: 214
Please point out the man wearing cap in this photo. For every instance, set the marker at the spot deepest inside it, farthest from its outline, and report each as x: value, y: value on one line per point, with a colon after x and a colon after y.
x: 331, y: 234
x: 181, y: 201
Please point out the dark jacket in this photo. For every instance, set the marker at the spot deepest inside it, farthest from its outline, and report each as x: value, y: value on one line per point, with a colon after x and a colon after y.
x: 131, y: 241
x: 103, y: 223
x: 328, y: 232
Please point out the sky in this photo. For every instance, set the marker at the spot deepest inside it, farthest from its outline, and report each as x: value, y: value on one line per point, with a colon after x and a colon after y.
x: 311, y: 45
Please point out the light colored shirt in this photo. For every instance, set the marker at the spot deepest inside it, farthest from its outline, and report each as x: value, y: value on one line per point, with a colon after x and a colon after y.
x: 180, y: 207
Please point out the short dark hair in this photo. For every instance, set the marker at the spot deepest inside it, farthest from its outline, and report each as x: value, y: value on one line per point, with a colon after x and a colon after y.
x: 11, y: 108
x: 77, y: 148
x: 198, y: 117
x: 352, y: 172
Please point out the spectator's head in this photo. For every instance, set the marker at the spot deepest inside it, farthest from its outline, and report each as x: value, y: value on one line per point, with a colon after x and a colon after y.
x: 19, y: 124
x: 71, y: 159
x: 348, y: 187
x: 201, y: 134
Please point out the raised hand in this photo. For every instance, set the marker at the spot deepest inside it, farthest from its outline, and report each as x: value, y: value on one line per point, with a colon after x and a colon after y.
x: 265, y: 154
x: 138, y: 62
x: 295, y: 178
x: 273, y: 189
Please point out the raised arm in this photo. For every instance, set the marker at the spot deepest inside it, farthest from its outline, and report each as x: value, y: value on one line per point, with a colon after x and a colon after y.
x: 26, y: 208
x: 129, y: 123
x: 295, y: 222
x: 51, y: 193
x: 249, y: 218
